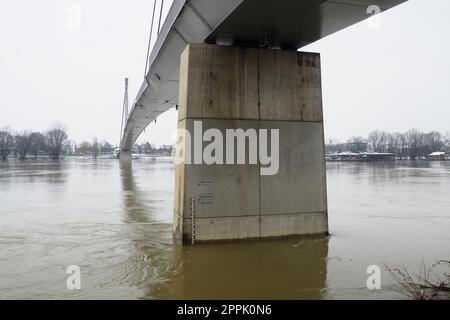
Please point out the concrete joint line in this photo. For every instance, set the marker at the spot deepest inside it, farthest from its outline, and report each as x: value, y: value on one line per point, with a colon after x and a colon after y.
x: 352, y: 4
x: 258, y: 61
x: 175, y: 30
x: 199, y: 15
x: 256, y: 215
x: 249, y: 119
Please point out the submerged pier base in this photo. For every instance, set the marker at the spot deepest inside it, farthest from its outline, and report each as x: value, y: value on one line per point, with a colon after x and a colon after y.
x: 245, y: 88
x: 124, y: 155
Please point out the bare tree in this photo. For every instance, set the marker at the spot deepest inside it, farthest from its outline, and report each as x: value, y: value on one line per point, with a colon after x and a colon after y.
x: 84, y: 148
x: 373, y: 140
x: 414, y: 140
x: 447, y: 142
x: 433, y: 141
x: 105, y: 147
x: 377, y: 141
x: 22, y: 145
x: 69, y: 147
x: 95, y: 147
x: 56, y: 138
x: 396, y: 143
x: 413, y: 144
x: 7, y: 143
x: 431, y: 283
x: 37, y: 143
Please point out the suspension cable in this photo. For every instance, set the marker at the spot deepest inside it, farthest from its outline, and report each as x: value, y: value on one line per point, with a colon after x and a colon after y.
x: 160, y: 16
x: 150, y: 41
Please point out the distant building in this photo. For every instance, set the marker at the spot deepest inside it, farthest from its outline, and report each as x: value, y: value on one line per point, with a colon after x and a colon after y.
x: 342, y: 156
x: 147, y: 148
x: 438, y: 155
x: 357, y: 146
x: 376, y: 156
x: 363, y: 156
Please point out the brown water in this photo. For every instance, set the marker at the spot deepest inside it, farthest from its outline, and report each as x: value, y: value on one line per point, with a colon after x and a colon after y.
x: 115, y: 223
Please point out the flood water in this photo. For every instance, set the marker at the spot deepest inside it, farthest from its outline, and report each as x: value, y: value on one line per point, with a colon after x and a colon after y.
x: 114, y: 222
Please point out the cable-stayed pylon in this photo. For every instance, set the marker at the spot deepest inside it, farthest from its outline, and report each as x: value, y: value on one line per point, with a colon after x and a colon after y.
x: 124, y: 111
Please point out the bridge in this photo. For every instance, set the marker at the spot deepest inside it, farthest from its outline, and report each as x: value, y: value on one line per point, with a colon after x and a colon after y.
x: 235, y: 64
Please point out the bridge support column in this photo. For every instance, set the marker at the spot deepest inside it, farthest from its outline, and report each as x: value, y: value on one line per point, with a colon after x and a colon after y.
x: 263, y: 90
x: 125, y: 155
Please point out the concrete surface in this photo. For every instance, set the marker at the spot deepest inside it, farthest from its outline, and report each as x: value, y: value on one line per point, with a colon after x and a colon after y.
x: 229, y: 88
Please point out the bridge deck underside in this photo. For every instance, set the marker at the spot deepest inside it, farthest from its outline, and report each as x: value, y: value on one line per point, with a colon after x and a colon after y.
x: 293, y: 23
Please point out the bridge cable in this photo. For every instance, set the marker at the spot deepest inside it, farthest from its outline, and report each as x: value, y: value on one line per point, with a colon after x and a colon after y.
x: 160, y: 16
x: 149, y: 41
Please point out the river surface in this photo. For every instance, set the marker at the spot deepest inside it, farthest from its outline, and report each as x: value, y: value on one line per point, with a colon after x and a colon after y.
x: 114, y: 221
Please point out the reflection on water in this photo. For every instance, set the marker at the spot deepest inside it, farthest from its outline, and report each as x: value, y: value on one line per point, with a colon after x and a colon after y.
x: 256, y: 270
x: 114, y: 221
x: 246, y: 270
x: 134, y: 204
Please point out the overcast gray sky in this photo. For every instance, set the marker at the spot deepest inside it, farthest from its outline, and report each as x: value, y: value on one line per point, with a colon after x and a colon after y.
x: 393, y: 78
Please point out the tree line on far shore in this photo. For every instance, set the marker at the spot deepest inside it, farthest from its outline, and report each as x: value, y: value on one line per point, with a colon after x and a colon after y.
x: 51, y: 143
x: 55, y: 143
x: 412, y: 144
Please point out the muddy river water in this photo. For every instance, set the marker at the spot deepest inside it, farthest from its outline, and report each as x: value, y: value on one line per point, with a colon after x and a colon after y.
x: 114, y: 222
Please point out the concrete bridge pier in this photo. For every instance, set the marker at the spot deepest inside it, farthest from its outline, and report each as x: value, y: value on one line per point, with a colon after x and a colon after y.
x: 246, y: 88
x: 125, y: 155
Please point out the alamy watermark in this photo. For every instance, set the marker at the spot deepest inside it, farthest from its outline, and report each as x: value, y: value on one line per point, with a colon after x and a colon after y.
x: 73, y: 282
x: 374, y: 21
x: 374, y: 280
x: 191, y: 150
